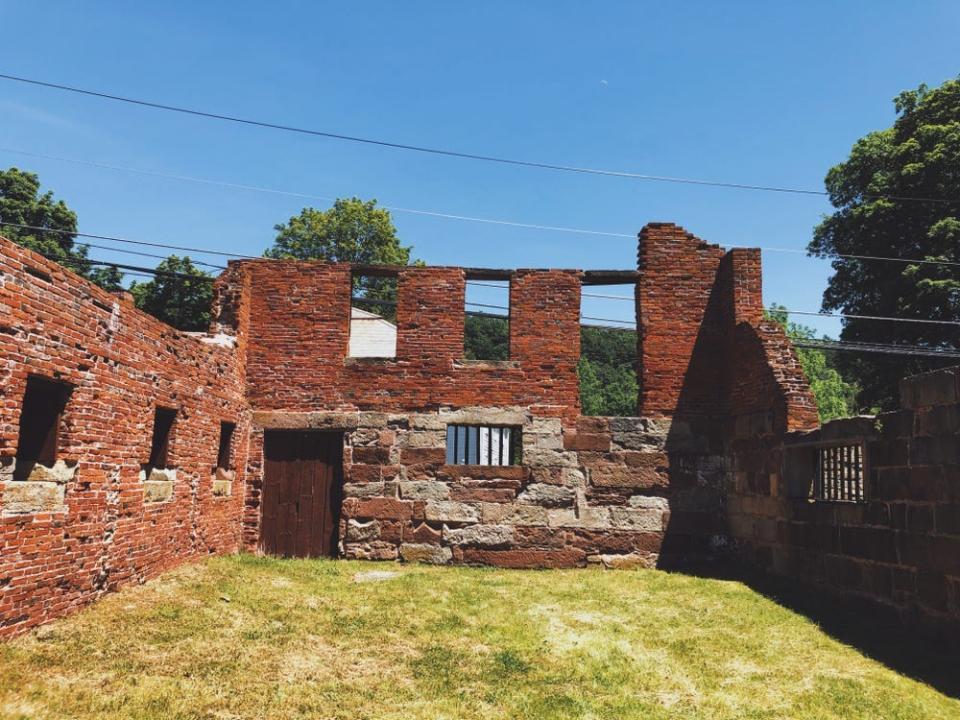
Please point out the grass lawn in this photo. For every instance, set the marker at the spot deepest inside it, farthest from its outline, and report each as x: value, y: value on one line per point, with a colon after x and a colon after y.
x: 248, y: 637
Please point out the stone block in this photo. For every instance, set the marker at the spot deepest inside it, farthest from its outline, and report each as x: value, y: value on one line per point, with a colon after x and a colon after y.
x: 641, y: 519
x: 424, y: 490
x: 362, y: 531
x: 363, y: 490
x: 513, y: 514
x: 424, y: 553
x: 583, y: 517
x: 480, y: 535
x: 432, y: 439
x: 370, y: 551
x: 536, y: 457
x: 547, y: 495
x: 22, y: 497
x: 157, y: 490
x: 449, y: 511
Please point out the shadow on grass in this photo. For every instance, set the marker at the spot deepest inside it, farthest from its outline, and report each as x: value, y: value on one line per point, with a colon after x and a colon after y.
x: 873, y: 630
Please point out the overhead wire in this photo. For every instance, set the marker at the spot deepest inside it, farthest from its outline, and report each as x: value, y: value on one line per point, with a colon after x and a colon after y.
x: 453, y: 216
x: 434, y: 150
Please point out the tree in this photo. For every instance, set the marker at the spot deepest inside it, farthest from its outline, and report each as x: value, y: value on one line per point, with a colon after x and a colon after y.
x: 835, y: 396
x: 607, y: 370
x: 21, y: 203
x: 182, y: 302
x: 897, y: 195
x: 353, y: 231
x: 486, y: 338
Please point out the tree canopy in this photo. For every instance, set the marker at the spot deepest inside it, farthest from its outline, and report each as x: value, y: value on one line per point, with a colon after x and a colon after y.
x: 352, y: 231
x: 897, y: 195
x: 181, y: 302
x: 22, y: 203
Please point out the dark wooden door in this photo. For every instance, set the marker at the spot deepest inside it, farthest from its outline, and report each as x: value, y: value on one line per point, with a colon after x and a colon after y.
x: 301, y: 493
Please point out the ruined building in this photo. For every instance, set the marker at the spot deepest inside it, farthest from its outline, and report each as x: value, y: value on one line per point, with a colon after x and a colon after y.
x: 127, y: 447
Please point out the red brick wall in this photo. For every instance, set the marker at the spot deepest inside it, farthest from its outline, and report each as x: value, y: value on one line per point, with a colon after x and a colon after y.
x: 298, y: 335
x: 121, y: 363
x: 680, y: 340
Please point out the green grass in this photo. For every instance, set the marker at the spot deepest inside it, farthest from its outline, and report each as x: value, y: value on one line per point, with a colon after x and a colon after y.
x: 248, y: 637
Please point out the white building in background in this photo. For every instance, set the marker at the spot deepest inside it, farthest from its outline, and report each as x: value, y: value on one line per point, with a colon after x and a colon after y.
x: 371, y: 335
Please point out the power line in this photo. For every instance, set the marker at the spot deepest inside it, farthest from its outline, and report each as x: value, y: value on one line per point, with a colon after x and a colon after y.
x: 880, y: 348
x: 450, y: 216
x: 469, y: 282
x: 437, y: 151
x: 310, y: 196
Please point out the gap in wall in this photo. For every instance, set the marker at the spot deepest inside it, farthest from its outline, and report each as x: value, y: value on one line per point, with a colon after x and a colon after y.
x: 373, y: 317
x: 608, y: 351
x: 486, y: 331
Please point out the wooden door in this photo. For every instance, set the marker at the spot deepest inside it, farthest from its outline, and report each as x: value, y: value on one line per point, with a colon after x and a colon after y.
x: 301, y: 493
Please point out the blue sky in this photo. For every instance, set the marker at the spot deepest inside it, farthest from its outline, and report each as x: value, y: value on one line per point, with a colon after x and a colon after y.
x: 765, y: 93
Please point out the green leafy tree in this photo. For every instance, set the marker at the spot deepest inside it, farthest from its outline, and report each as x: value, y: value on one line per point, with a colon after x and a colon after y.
x: 183, y: 302
x: 607, y: 370
x: 22, y: 203
x: 486, y: 338
x: 353, y: 231
x: 918, y: 157
x: 835, y: 396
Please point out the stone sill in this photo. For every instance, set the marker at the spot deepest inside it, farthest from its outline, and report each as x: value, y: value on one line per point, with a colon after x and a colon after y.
x: 487, y: 364
x: 157, y: 484
x: 486, y: 472
x: 386, y: 360
x: 35, y: 488
x: 222, y: 483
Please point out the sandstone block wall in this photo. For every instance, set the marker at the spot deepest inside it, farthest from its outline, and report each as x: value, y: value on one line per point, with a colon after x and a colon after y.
x: 618, y: 491
x: 901, y: 547
x: 93, y: 521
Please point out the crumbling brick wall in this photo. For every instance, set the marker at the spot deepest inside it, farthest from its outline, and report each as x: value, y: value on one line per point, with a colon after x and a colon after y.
x: 72, y: 532
x: 298, y: 326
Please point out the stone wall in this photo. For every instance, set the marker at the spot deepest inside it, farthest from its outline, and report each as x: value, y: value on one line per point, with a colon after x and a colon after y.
x: 94, y: 521
x: 617, y: 491
x: 901, y: 546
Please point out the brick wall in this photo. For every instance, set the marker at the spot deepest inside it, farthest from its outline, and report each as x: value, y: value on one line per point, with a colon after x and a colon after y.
x: 899, y: 548
x: 72, y: 532
x: 297, y: 338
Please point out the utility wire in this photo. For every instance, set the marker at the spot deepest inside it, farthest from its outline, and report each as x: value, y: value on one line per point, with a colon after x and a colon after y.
x: 310, y: 196
x: 469, y: 282
x: 880, y: 348
x: 451, y: 216
x: 432, y: 150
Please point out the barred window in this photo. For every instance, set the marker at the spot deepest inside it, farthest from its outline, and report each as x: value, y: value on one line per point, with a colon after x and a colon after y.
x: 483, y: 445
x: 839, y: 475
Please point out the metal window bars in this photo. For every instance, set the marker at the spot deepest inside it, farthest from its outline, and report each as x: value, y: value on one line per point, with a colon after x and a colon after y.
x: 839, y: 474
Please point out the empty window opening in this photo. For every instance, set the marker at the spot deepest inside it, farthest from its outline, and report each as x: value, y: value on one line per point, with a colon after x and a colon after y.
x: 608, y: 351
x: 226, y: 445
x: 486, y: 327
x: 373, y: 317
x: 839, y: 474
x: 43, y: 404
x: 163, y: 420
x: 483, y: 445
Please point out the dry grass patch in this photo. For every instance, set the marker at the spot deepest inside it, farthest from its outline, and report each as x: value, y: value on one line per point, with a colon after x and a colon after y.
x: 248, y: 637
